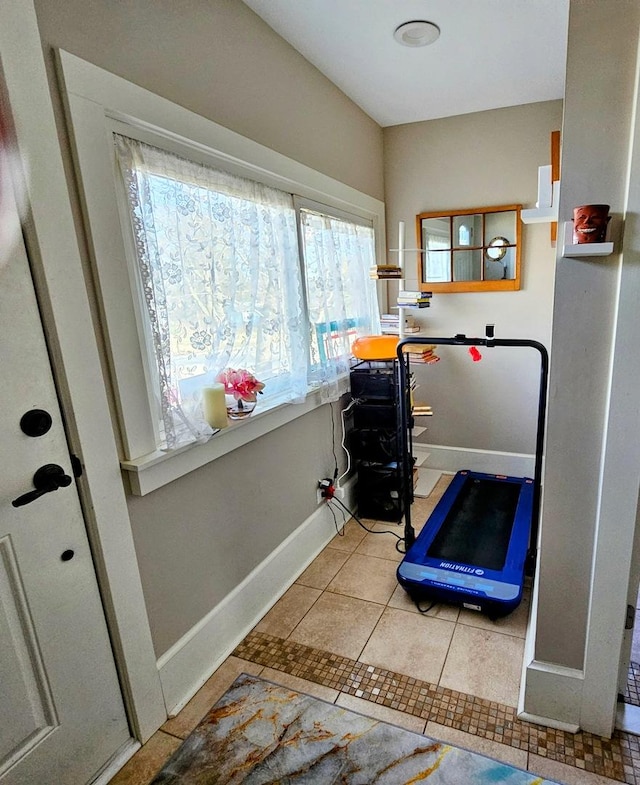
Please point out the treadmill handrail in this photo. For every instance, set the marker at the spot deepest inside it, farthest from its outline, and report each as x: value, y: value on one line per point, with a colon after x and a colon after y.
x: 490, y: 342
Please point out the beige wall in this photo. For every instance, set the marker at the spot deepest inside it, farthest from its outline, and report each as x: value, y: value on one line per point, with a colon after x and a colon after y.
x: 198, y: 537
x: 485, y: 158
x: 217, y: 58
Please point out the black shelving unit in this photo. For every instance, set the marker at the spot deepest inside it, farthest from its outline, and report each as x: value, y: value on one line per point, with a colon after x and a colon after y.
x: 384, y: 484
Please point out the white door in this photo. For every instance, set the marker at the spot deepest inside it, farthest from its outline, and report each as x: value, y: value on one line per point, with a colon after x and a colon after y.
x: 61, y: 712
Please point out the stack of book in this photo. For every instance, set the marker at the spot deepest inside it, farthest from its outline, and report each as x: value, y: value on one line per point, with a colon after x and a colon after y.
x: 422, y: 353
x: 390, y: 324
x: 385, y: 271
x: 414, y: 299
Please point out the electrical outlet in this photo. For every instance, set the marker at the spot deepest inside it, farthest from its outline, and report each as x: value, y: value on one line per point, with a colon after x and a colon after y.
x: 338, y: 493
x: 323, y: 484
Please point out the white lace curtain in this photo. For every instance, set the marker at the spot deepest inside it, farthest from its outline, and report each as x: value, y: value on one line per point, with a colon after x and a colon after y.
x: 222, y: 286
x: 342, y: 297
x: 219, y: 272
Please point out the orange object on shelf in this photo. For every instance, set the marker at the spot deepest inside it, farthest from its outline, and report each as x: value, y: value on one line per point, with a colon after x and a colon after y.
x: 375, y: 347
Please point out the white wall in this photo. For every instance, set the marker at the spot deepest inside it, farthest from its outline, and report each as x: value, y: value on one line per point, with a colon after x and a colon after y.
x: 481, y: 159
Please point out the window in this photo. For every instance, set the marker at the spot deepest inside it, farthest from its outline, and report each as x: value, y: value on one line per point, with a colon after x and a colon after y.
x: 99, y: 105
x: 222, y: 283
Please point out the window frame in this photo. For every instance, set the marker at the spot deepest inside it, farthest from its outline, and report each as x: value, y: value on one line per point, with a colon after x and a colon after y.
x: 97, y: 103
x: 140, y: 308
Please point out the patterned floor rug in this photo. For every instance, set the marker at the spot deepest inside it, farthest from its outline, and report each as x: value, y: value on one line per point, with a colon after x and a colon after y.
x: 260, y: 733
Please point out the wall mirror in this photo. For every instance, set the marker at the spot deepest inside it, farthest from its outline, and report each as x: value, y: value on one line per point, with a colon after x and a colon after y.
x: 471, y: 250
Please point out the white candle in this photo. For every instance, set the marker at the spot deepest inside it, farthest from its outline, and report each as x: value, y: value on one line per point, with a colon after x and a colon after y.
x: 214, y: 405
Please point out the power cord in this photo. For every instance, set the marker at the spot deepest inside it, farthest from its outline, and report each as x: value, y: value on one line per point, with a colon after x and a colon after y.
x: 328, y: 493
x: 343, y: 414
x: 399, y: 540
x: 424, y: 610
x: 339, y: 529
x: 358, y: 521
x: 333, y: 443
x: 328, y: 489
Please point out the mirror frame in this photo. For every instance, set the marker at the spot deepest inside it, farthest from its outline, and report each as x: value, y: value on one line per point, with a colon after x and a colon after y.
x: 502, y: 285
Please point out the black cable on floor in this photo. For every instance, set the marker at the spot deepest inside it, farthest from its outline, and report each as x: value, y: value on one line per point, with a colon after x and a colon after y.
x: 339, y: 530
x: 357, y: 520
x: 425, y: 610
x: 383, y: 531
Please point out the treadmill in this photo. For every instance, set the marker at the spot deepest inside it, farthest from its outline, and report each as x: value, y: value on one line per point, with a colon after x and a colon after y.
x: 481, y: 538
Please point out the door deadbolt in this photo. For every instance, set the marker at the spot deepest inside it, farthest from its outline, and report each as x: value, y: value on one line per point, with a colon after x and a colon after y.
x: 35, y: 422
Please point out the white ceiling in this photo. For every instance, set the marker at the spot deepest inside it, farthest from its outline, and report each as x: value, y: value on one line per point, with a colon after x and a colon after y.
x: 490, y: 53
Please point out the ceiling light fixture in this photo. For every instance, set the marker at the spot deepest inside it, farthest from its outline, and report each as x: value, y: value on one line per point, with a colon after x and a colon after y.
x: 417, y: 33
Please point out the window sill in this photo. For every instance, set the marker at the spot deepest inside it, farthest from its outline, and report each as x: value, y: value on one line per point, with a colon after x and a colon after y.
x: 152, y: 471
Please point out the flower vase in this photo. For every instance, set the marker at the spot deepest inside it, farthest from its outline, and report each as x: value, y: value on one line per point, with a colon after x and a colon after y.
x: 237, y: 408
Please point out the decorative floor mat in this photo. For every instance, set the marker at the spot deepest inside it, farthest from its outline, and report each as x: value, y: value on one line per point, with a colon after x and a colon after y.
x: 617, y: 758
x: 260, y: 733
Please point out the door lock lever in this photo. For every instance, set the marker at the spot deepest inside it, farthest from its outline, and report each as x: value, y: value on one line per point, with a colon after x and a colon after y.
x: 47, y: 478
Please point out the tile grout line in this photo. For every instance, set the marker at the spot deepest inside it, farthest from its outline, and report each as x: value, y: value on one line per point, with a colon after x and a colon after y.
x: 611, y: 758
x: 444, y: 661
x: 628, y: 754
x: 169, y: 733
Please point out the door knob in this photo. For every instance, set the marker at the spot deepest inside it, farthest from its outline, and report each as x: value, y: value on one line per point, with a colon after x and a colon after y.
x: 47, y: 478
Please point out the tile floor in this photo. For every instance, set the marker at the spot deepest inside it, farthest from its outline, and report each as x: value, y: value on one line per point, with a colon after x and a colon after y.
x: 347, y: 633
x: 632, y: 693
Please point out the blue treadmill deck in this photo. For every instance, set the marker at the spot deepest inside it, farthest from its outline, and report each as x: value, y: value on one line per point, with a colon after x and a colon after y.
x: 473, y: 548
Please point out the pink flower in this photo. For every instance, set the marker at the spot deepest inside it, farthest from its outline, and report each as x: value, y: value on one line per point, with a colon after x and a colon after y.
x: 240, y: 383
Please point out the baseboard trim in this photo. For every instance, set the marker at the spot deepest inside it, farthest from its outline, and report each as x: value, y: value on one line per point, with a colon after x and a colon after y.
x: 549, y: 723
x: 451, y: 459
x: 186, y: 666
x: 628, y: 718
x: 551, y: 695
x: 124, y: 754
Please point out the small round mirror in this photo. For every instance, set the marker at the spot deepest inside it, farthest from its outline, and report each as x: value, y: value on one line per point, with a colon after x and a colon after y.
x: 497, y: 249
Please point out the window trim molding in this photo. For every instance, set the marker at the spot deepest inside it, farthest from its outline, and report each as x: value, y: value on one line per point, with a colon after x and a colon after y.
x: 156, y: 469
x: 97, y: 103
x: 302, y: 203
